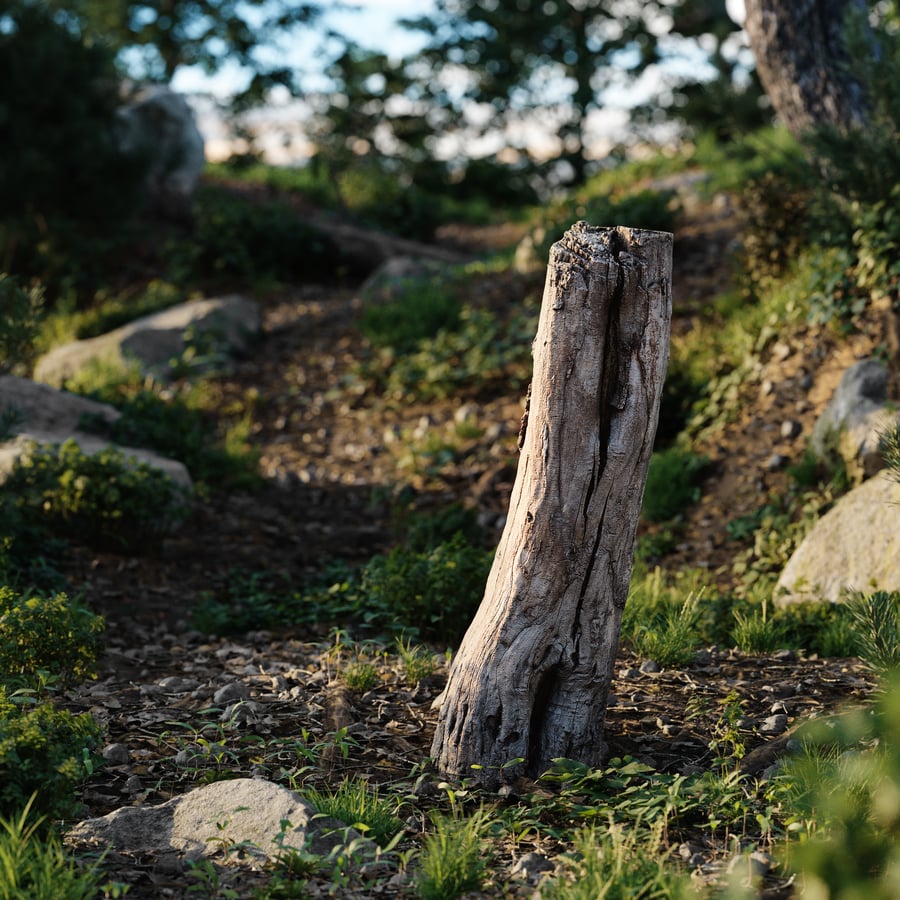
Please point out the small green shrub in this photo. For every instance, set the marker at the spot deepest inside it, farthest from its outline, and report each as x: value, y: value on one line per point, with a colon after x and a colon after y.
x: 453, y: 861
x: 756, y: 632
x: 19, y: 323
x: 102, y: 499
x: 34, y: 864
x: 174, y: 428
x: 54, y: 633
x: 619, y: 863
x: 249, y: 601
x: 236, y: 240
x: 672, y: 483
x: 480, y: 354
x: 416, y: 313
x: 876, y: 621
x: 357, y: 803
x: 841, y: 795
x: 360, y: 675
x: 670, y: 638
x: 44, y: 752
x: 431, y: 594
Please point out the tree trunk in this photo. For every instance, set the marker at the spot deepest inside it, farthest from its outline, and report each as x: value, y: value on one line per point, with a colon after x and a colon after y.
x: 801, y: 60
x: 531, y: 677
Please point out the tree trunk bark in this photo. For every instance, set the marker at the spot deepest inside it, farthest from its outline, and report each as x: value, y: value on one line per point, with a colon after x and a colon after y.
x: 531, y: 677
x: 801, y: 60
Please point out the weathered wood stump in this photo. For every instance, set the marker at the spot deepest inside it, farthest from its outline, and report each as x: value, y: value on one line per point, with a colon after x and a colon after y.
x: 531, y: 678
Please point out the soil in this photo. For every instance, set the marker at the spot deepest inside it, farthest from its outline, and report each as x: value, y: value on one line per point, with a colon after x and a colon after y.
x: 330, y: 459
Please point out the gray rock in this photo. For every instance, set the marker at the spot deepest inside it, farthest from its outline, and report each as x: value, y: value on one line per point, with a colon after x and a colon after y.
x: 237, y: 690
x: 159, y: 124
x: 854, y: 546
x: 224, y: 813
x: 530, y: 867
x: 116, y: 754
x: 48, y: 417
x: 774, y: 725
x: 854, y: 420
x: 227, y: 324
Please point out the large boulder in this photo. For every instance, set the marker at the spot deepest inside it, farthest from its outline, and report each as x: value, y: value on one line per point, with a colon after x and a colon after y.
x: 46, y: 416
x: 159, y: 125
x: 263, y: 818
x: 855, y: 419
x: 215, y: 326
x: 854, y: 546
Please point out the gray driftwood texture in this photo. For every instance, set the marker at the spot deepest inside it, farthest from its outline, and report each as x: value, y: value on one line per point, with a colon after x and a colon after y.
x: 531, y: 678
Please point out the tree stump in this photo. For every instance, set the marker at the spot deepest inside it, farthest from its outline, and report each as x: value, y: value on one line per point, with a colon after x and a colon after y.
x: 530, y: 680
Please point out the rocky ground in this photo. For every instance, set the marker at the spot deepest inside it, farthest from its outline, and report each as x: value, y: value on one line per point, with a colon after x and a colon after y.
x: 327, y: 457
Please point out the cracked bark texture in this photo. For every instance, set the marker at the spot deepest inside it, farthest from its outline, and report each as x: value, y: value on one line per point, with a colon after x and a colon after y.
x: 802, y: 61
x: 531, y: 678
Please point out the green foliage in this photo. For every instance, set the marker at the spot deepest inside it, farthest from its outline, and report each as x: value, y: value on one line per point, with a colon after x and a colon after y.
x: 52, y: 633
x: 418, y: 311
x: 452, y: 862
x: 876, y: 620
x: 669, y: 638
x: 34, y: 865
x: 237, y: 240
x: 361, y: 675
x: 108, y: 310
x: 672, y: 483
x: 890, y: 450
x: 418, y: 662
x: 19, y: 323
x: 777, y: 527
x: 618, y: 863
x: 876, y: 242
x: 841, y: 797
x: 102, y: 499
x: 481, y: 354
x: 756, y: 632
x: 357, y: 803
x: 249, y: 601
x: 431, y: 594
x: 45, y: 752
x: 176, y: 426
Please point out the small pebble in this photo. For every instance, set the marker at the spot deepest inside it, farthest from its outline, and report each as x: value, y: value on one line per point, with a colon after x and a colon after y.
x: 776, y: 461
x: 116, y: 754
x: 790, y: 429
x: 237, y: 690
x: 649, y: 666
x: 774, y: 725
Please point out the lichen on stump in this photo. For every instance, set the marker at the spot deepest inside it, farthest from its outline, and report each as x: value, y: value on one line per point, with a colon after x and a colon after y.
x: 531, y: 678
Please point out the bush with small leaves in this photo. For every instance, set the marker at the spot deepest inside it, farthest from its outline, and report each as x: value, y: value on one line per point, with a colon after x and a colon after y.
x: 102, y: 499
x: 54, y: 634
x: 19, y: 323
x: 44, y: 751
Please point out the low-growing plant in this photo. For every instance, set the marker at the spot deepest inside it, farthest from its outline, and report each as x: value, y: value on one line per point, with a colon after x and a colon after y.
x: 673, y: 483
x: 482, y: 352
x: 669, y: 639
x: 103, y: 499
x: 360, y: 675
x: 416, y: 312
x: 34, y: 864
x: 453, y: 860
x: 44, y: 753
x: 177, y: 427
x: 841, y: 797
x: 22, y: 309
x: 430, y: 594
x: 876, y: 621
x: 418, y: 662
x: 237, y: 240
x: 619, y: 863
x: 360, y: 805
x: 248, y: 601
x: 52, y: 633
x: 756, y: 632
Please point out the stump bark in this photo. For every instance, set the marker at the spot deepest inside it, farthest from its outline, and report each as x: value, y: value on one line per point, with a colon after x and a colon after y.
x: 530, y: 680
